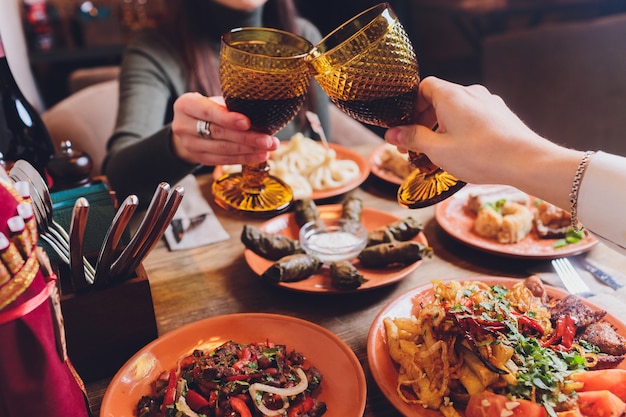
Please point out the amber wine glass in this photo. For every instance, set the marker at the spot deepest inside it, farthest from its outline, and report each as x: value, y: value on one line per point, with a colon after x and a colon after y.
x: 264, y: 75
x: 369, y: 69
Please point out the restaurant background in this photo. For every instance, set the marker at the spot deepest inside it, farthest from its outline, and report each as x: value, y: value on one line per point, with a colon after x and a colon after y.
x: 547, y: 59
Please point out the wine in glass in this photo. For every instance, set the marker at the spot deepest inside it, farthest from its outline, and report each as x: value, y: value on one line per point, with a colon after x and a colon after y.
x: 369, y: 69
x: 264, y: 75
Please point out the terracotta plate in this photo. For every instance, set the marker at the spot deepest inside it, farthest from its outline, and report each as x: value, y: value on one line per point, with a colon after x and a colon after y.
x: 343, y: 386
x: 342, y: 153
x: 385, y: 371
x: 379, y: 170
x: 320, y: 283
x: 458, y: 222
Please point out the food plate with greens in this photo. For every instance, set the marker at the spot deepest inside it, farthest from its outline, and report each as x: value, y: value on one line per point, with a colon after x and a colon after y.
x: 454, y: 216
x: 493, y: 336
x: 342, y: 388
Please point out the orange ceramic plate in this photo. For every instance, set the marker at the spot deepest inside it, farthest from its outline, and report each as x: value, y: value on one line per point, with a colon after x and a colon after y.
x: 320, y: 283
x: 385, y: 371
x: 459, y: 223
x: 379, y: 170
x: 343, y: 385
x: 342, y: 153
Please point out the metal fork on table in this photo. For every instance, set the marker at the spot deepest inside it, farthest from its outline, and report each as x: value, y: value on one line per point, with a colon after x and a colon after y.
x: 570, y: 277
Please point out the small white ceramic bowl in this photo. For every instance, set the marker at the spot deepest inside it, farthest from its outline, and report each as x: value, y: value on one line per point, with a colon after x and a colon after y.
x: 332, y: 240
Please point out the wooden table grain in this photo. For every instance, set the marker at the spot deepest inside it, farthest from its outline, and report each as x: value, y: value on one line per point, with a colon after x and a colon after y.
x: 214, y: 280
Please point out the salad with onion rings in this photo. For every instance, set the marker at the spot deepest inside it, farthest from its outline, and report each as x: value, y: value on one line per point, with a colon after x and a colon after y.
x: 237, y: 380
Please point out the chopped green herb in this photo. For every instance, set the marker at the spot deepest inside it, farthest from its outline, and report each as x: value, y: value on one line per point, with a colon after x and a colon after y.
x: 570, y: 237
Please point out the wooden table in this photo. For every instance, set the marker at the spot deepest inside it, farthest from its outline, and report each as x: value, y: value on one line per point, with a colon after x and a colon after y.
x: 214, y: 280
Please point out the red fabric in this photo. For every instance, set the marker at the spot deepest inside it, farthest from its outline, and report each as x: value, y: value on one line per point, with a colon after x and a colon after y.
x: 35, y: 381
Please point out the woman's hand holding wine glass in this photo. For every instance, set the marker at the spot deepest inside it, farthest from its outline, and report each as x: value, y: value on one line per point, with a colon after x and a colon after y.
x: 231, y: 136
x: 264, y: 75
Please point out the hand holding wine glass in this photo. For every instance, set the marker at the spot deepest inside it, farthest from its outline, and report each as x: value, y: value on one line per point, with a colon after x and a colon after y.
x: 368, y: 68
x: 264, y: 75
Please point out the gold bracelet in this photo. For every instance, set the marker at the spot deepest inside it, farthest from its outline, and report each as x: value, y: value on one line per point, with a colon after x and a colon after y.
x: 573, y: 195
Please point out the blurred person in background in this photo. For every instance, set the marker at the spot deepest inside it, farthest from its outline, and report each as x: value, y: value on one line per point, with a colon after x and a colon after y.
x: 169, y: 81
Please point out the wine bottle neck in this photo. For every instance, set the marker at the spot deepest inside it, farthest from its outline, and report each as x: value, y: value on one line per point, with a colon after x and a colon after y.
x: 6, y: 76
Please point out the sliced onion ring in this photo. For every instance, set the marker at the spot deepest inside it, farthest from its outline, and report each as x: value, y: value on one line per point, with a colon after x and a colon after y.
x: 301, y: 386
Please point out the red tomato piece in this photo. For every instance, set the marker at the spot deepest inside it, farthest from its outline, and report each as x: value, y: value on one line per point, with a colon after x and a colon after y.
x: 301, y: 408
x: 600, y: 404
x: 240, y: 407
x: 170, y: 392
x: 613, y: 380
x: 195, y: 401
x: 187, y: 361
x: 488, y: 404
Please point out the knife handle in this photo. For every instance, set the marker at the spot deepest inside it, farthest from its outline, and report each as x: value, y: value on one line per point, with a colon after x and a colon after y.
x: 77, y: 235
x: 143, y: 231
x: 174, y: 199
x: 114, y: 233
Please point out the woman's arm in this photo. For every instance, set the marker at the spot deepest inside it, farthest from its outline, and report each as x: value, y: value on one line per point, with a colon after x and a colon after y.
x: 480, y: 140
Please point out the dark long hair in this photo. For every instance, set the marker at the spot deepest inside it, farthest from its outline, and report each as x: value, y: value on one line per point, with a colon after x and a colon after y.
x: 198, y: 42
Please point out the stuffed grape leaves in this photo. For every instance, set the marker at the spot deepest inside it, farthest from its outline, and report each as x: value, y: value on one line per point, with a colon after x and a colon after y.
x: 405, y: 229
x: 380, y: 235
x: 352, y: 209
x: 345, y: 276
x: 305, y: 211
x: 292, y: 268
x: 272, y: 246
x: 385, y: 254
x: 400, y: 230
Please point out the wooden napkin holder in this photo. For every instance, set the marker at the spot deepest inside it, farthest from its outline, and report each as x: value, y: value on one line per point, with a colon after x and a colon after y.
x: 104, y: 327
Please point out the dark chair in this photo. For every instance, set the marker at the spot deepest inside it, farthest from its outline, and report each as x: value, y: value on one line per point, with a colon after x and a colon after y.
x: 565, y: 80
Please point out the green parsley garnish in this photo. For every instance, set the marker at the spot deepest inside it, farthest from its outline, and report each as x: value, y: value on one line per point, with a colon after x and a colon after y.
x: 570, y: 237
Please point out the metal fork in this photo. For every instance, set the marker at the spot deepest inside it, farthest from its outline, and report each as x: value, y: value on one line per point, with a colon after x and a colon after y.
x: 572, y: 280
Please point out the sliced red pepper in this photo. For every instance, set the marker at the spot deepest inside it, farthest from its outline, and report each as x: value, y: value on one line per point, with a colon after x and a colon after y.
x: 244, y: 359
x: 240, y: 407
x: 170, y: 392
x: 564, y: 333
x: 212, y: 399
x: 195, y: 401
x: 568, y: 331
x: 529, y: 322
x: 301, y: 408
x: 187, y: 361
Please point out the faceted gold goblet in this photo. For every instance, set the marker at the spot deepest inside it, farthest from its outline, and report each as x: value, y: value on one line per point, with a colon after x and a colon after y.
x: 264, y: 75
x: 368, y: 68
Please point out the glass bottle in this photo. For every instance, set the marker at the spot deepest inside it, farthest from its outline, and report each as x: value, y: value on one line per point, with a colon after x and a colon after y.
x: 23, y: 135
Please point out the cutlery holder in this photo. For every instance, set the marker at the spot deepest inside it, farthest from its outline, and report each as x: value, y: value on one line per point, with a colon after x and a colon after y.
x: 105, y: 326
x: 101, y: 211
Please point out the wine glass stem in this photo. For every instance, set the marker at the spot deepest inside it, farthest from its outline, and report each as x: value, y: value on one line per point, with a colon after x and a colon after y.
x: 421, y: 161
x: 254, y: 174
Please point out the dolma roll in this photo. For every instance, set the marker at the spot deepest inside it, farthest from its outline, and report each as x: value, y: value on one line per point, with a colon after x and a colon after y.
x: 292, y: 268
x: 385, y: 254
x: 345, y: 276
x: 272, y: 246
x: 352, y: 209
x: 401, y: 230
x: 378, y: 236
x: 305, y: 211
x: 405, y: 229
